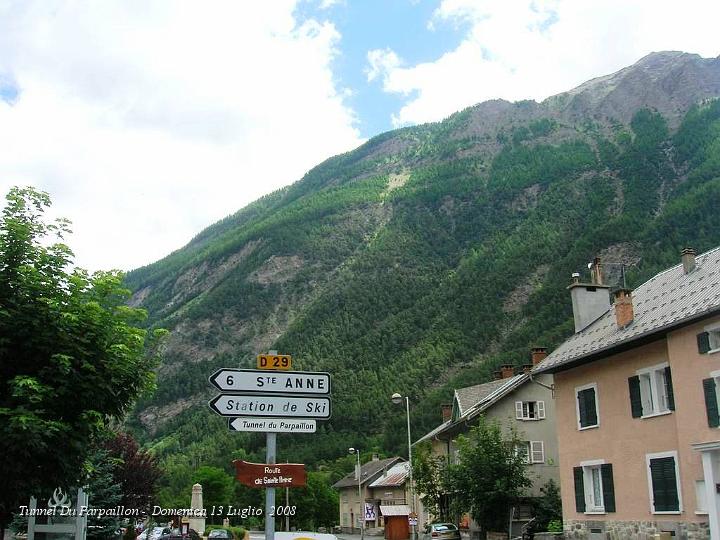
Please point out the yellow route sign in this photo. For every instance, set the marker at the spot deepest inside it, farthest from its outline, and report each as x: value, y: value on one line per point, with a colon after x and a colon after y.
x: 274, y: 361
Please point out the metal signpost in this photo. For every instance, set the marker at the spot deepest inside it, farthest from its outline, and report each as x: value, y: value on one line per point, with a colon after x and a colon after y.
x: 271, y: 399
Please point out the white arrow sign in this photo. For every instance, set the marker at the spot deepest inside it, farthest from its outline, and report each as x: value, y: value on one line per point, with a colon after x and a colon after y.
x: 271, y: 382
x: 271, y: 406
x: 278, y: 425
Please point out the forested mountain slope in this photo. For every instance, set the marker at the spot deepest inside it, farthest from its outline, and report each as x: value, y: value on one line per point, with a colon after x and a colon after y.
x: 431, y: 255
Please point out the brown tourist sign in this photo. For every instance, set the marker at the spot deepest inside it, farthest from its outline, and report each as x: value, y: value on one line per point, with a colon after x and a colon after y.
x: 261, y: 475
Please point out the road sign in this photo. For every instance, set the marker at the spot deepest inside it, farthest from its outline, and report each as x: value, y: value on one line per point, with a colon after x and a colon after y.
x: 274, y: 361
x: 260, y: 475
x: 271, y: 406
x: 277, y: 425
x: 267, y: 382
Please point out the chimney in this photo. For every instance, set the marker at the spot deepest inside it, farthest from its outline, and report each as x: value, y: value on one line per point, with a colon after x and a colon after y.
x: 538, y: 355
x: 506, y: 371
x: 376, y: 457
x: 623, y: 307
x: 446, y: 412
x: 527, y: 368
x: 596, y: 272
x: 688, y: 260
x: 589, y: 300
x: 497, y: 375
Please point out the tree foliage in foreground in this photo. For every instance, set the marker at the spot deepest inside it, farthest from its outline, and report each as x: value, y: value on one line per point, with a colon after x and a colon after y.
x: 72, y: 354
x: 490, y: 476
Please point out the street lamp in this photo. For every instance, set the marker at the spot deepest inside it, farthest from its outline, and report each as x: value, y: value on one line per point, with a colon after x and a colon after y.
x: 356, y: 451
x: 397, y: 400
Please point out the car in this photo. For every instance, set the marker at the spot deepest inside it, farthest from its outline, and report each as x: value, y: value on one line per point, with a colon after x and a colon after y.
x: 220, y: 534
x: 443, y: 531
x: 154, y: 534
x: 176, y: 534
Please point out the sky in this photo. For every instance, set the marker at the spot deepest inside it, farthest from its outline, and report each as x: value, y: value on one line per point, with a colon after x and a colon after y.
x: 148, y: 120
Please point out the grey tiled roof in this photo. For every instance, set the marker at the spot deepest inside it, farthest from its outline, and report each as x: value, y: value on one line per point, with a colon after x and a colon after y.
x: 669, y: 299
x: 487, y: 394
x: 368, y: 472
x: 468, y: 397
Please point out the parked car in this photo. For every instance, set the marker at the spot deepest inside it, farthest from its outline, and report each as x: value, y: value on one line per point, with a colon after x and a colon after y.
x: 223, y: 534
x: 154, y: 534
x: 443, y: 531
x: 176, y: 534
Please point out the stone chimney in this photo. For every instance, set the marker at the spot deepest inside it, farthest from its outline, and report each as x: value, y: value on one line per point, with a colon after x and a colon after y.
x: 376, y: 457
x: 506, y: 371
x: 446, y: 412
x: 623, y: 307
x: 527, y: 368
x: 589, y: 300
x: 688, y: 260
x: 538, y: 355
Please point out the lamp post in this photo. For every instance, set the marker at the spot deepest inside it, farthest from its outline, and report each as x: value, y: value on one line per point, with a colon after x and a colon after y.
x: 397, y: 399
x: 356, y: 451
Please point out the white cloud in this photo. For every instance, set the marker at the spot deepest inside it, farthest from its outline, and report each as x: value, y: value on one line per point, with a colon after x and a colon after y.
x: 381, y: 62
x: 149, y: 121
x: 531, y: 49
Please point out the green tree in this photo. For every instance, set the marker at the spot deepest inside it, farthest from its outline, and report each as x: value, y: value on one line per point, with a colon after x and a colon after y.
x: 548, y: 507
x: 218, y: 490
x: 430, y: 474
x: 103, y: 492
x: 72, y: 354
x: 316, y: 505
x: 490, y: 475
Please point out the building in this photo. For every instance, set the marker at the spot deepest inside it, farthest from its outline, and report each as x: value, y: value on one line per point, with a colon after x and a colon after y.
x: 636, y: 391
x: 366, y: 507
x: 391, y: 496
x: 518, y: 401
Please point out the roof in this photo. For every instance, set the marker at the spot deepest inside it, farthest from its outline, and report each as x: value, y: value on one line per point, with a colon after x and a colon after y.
x: 395, y: 510
x: 368, y: 472
x: 488, y: 394
x: 668, y: 300
x: 395, y: 476
x: 467, y: 397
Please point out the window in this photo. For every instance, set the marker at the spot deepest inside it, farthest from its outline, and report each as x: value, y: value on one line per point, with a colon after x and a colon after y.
x: 712, y: 404
x: 594, y: 488
x: 664, y: 483
x: 529, y: 410
x: 531, y: 451
x: 586, y: 406
x: 651, y: 391
x: 709, y: 340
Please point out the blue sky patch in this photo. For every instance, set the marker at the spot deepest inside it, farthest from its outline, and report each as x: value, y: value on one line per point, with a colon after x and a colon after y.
x: 365, y: 25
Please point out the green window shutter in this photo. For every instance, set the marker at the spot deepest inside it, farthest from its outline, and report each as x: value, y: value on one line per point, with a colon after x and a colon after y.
x: 703, y: 342
x: 590, y: 406
x: 608, y: 487
x: 582, y: 411
x: 664, y: 484
x: 635, y: 399
x: 669, y: 389
x: 579, y: 489
x: 711, y: 404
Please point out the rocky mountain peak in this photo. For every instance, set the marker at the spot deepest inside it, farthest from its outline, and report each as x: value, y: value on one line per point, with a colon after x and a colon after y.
x: 668, y: 81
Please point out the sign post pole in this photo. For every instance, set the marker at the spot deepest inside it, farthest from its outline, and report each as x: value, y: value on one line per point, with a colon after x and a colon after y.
x: 270, y: 491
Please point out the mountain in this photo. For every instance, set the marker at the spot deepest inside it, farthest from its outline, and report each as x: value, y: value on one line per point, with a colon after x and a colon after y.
x: 430, y: 255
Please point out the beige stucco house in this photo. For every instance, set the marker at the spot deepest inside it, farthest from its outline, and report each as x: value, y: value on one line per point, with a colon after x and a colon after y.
x: 515, y: 400
x: 356, y: 510
x: 636, y: 391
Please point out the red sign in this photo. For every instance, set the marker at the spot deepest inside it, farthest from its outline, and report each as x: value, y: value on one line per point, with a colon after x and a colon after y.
x: 261, y: 475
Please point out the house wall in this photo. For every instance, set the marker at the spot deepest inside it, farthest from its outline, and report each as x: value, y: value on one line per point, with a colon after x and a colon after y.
x: 350, y: 504
x: 689, y: 368
x: 533, y: 430
x: 624, y: 441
